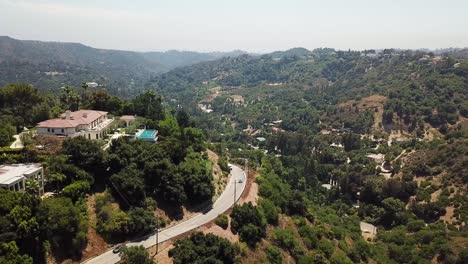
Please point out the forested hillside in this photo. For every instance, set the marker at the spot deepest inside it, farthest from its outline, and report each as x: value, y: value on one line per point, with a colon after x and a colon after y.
x: 414, y: 87
x: 340, y: 139
x: 359, y: 157
x: 51, y: 65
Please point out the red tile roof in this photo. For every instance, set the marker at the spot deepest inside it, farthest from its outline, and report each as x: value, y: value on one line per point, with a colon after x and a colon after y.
x: 81, y: 117
x: 127, y: 117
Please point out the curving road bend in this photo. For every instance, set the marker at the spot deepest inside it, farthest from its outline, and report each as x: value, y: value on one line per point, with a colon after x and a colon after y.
x: 237, y: 183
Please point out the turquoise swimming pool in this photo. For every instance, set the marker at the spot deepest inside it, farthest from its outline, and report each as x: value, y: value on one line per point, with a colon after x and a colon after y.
x: 150, y: 135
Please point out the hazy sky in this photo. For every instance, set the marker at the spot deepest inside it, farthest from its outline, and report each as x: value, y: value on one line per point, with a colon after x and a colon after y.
x: 252, y: 25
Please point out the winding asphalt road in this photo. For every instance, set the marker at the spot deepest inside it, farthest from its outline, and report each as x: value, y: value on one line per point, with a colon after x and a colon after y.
x: 237, y: 182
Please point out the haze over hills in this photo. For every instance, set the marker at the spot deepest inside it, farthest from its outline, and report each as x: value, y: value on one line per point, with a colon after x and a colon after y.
x: 331, y: 132
x: 350, y: 150
x: 49, y: 65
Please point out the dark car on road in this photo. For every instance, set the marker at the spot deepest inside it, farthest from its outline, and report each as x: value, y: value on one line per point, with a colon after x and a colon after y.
x: 118, y: 248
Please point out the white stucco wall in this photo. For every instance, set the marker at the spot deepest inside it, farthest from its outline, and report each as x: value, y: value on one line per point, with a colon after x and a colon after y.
x: 56, y: 131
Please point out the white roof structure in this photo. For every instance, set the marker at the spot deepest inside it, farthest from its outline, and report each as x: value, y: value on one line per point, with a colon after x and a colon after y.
x: 379, y: 158
x: 368, y: 228
x: 11, y: 180
x: 12, y: 173
x: 339, y: 145
x: 92, y: 84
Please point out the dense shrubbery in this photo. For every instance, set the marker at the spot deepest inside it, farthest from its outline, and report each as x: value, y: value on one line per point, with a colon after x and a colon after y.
x: 334, y: 222
x: 76, y: 190
x: 285, y: 239
x: 118, y: 225
x: 200, y: 248
x: 64, y: 224
x: 6, y: 134
x: 247, y: 220
x: 134, y: 254
x: 158, y: 171
x: 55, y: 221
x: 222, y: 221
x: 274, y: 255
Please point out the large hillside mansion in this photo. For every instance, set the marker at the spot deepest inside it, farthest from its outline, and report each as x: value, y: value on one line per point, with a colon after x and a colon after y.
x: 90, y: 124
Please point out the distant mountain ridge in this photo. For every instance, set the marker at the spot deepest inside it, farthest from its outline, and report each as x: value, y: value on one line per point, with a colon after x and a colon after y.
x: 294, y: 52
x: 49, y: 65
x: 175, y: 58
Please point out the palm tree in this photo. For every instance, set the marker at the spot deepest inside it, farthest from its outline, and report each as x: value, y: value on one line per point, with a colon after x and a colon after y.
x: 84, y: 85
x: 32, y: 186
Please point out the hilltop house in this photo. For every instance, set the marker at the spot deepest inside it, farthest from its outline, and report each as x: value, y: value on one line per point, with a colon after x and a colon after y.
x: 90, y: 124
x: 14, y: 177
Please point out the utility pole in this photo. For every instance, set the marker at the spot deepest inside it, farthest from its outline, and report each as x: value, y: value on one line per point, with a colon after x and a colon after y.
x: 121, y: 195
x: 235, y: 187
x: 157, y: 232
x: 247, y: 168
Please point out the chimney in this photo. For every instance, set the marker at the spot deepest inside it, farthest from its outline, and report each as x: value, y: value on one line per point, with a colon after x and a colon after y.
x: 67, y: 114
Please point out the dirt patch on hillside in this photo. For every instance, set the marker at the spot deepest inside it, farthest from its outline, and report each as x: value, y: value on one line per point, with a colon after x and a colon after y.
x: 459, y: 243
x: 96, y: 244
x: 434, y: 180
x: 448, y: 217
x: 462, y: 123
x: 220, y: 179
x: 238, y: 99
x: 212, y: 228
x: 374, y: 102
x: 213, y: 93
x: 174, y: 215
x: 250, y: 193
x: 47, y: 145
x: 399, y: 135
x: 417, y: 157
x: 435, y: 195
x: 163, y: 252
x: 370, y: 102
x: 430, y: 133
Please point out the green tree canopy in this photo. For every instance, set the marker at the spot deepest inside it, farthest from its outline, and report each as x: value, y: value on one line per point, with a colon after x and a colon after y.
x: 135, y: 254
x: 200, y: 248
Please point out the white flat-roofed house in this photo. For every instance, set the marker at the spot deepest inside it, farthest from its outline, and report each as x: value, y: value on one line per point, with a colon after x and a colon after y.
x: 90, y: 124
x: 14, y: 177
x: 92, y: 84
